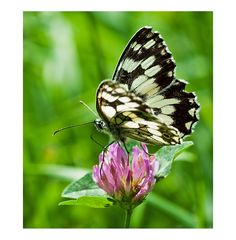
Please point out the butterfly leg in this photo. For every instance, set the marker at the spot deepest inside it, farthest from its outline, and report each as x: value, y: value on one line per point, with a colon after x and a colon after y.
x: 145, y: 150
x: 126, y: 149
x: 104, y: 149
x: 103, y: 155
x: 94, y: 140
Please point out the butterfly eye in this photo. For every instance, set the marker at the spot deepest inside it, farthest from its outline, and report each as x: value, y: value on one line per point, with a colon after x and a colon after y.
x: 99, y: 124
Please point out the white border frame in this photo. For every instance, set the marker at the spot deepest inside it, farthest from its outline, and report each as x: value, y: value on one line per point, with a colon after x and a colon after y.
x: 11, y: 119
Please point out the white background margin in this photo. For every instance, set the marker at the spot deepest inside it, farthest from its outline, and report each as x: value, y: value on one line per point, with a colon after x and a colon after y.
x: 11, y: 109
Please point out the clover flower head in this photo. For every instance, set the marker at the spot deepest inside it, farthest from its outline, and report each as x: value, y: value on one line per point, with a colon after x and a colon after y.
x: 126, y: 182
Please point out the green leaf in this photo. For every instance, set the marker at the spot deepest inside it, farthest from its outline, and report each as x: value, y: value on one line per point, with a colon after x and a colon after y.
x: 85, y: 192
x: 186, y: 156
x: 166, y: 155
x: 89, y: 201
x: 85, y: 186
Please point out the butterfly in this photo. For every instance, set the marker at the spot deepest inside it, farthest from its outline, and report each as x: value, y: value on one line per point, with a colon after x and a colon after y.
x: 144, y: 101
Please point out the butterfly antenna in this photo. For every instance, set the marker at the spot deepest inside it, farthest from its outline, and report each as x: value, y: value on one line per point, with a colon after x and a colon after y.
x: 72, y: 126
x: 89, y: 108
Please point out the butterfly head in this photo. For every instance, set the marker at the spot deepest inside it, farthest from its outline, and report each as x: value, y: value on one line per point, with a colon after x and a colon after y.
x: 99, y: 124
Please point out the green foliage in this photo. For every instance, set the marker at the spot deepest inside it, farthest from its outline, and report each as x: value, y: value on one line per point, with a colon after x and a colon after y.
x: 66, y: 56
x: 89, y: 201
x: 166, y: 156
x: 170, y: 208
x: 86, y: 193
x: 85, y: 186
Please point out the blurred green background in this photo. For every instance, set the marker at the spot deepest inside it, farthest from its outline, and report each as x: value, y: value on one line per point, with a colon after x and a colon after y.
x: 66, y: 56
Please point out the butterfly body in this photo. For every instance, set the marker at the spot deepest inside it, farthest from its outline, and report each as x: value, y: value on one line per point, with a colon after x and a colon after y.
x: 144, y: 101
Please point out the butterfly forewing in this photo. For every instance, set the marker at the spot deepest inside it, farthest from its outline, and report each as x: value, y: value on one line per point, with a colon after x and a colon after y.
x: 146, y: 64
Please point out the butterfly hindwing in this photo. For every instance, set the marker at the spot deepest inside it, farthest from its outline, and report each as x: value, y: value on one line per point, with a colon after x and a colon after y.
x: 176, y: 107
x: 146, y: 128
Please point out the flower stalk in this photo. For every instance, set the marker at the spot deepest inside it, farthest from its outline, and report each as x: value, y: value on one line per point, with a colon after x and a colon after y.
x: 128, y: 214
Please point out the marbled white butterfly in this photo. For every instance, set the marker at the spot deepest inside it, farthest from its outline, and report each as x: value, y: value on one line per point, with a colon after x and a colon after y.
x: 144, y: 101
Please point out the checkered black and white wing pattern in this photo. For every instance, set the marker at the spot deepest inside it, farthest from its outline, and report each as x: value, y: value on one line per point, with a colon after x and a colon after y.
x: 147, y: 69
x: 126, y: 115
x: 146, y: 65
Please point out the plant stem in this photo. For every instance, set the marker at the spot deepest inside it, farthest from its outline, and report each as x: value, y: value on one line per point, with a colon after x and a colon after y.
x: 128, y: 213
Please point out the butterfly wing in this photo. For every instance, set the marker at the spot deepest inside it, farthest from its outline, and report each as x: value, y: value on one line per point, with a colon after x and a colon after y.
x: 126, y: 115
x: 146, y: 68
x: 146, y: 63
x: 145, y: 127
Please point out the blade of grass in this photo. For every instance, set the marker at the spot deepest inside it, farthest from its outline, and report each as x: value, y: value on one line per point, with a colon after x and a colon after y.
x: 56, y: 171
x: 175, y: 211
